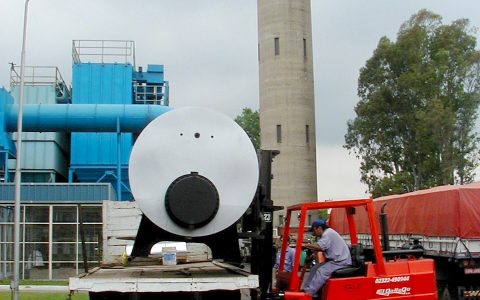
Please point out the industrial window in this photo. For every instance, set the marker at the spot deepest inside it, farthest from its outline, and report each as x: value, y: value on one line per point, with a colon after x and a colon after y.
x: 279, y: 133
x: 280, y: 220
x: 307, y: 134
x: 304, y: 48
x: 51, y: 247
x: 277, y: 46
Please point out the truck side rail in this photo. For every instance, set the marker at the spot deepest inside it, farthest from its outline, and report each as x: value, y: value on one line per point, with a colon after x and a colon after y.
x: 450, y: 247
x: 403, y: 253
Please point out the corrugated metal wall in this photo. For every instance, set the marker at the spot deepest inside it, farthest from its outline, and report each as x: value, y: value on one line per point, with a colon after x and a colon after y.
x: 59, y: 193
x: 100, y: 84
x: 46, y: 151
x: 92, y: 154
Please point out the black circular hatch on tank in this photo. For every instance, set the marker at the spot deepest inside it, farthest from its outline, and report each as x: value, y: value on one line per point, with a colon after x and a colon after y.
x: 191, y: 200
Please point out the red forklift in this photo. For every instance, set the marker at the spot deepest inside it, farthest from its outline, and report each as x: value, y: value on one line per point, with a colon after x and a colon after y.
x: 393, y: 275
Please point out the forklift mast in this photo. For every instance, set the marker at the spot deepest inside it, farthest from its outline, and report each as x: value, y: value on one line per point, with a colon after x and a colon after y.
x: 258, y: 225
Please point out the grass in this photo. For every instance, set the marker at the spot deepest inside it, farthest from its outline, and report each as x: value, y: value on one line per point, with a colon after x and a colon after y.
x: 36, y: 282
x: 44, y: 296
x: 41, y: 295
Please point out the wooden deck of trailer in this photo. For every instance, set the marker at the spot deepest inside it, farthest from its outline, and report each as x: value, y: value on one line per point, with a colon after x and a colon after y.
x: 190, y: 277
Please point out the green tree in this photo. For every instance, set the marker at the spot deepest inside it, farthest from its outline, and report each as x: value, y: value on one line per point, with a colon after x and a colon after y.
x: 249, y: 120
x: 414, y: 124
x: 323, y: 214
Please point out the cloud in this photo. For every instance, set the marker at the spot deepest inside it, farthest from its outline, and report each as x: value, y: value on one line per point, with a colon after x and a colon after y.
x: 338, y: 174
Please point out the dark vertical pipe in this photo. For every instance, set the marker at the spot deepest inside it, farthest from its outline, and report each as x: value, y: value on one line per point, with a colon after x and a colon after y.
x: 380, y: 265
x: 384, y: 228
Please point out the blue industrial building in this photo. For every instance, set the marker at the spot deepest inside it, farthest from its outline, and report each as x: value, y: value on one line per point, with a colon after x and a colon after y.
x: 76, y: 146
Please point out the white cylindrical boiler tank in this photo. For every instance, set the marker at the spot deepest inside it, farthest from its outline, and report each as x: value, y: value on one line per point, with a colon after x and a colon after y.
x: 193, y: 171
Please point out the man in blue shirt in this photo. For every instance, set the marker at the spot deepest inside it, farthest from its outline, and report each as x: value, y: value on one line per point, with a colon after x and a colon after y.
x: 336, y: 253
x: 289, y: 258
x: 283, y: 278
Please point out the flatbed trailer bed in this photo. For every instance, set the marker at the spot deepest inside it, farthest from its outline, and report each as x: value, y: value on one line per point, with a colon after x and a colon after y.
x: 190, y: 277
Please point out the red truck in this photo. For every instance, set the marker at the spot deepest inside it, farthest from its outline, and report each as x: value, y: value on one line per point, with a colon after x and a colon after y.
x: 443, y: 221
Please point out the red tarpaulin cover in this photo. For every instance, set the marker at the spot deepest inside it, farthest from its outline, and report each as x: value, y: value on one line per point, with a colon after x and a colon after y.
x: 452, y: 211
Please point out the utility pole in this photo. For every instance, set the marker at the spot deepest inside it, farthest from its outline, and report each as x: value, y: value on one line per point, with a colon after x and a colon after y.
x: 18, y: 171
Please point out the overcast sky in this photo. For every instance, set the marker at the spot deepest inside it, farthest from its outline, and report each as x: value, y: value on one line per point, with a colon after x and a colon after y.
x: 209, y: 49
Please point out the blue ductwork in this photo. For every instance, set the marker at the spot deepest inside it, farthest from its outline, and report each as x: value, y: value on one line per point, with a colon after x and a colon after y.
x: 7, y: 148
x: 118, y: 118
x: 82, y: 117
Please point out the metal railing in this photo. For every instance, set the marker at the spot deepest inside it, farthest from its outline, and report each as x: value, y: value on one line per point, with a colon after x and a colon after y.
x: 103, y: 51
x: 41, y: 75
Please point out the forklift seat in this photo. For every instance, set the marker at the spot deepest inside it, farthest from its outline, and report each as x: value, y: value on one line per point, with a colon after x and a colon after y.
x: 358, y: 264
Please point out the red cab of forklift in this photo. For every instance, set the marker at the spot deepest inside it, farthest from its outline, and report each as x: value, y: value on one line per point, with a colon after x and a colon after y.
x: 396, y: 278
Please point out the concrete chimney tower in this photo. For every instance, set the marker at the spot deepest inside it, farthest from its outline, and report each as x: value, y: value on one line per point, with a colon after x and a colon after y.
x: 287, y: 107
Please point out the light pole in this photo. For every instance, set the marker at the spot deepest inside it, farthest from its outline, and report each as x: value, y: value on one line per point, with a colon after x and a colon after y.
x: 18, y: 170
